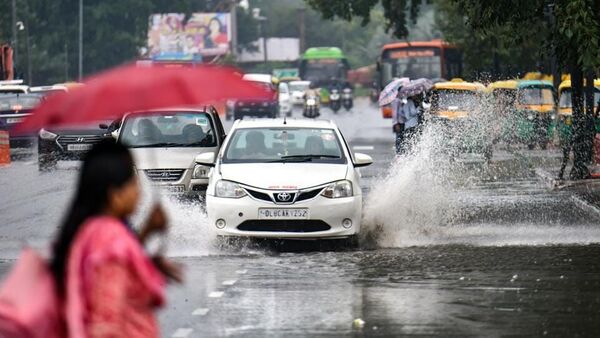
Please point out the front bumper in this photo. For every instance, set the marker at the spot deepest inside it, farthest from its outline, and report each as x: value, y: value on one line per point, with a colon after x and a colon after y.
x: 243, y: 211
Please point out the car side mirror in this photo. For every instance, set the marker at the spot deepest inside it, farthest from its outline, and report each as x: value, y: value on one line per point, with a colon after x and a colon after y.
x: 362, y: 160
x: 206, y: 159
x: 115, y: 134
x: 103, y: 126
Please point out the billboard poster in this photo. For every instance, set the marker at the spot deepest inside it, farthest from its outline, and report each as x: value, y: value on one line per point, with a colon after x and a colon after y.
x: 177, y: 37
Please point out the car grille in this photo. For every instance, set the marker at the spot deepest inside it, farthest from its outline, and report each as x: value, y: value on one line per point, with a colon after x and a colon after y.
x: 284, y: 225
x: 79, y: 139
x: 302, y: 196
x: 164, y: 175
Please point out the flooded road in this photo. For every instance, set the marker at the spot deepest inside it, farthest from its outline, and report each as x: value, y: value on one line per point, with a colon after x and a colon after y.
x: 459, y: 248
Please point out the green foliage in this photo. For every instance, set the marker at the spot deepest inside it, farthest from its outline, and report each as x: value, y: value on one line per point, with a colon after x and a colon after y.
x: 502, y: 49
x: 395, y: 12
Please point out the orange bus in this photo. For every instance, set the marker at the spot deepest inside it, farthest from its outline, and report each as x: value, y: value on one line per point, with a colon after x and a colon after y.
x: 435, y: 60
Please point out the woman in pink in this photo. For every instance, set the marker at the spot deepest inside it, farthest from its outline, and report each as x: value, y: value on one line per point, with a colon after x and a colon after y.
x: 109, y: 286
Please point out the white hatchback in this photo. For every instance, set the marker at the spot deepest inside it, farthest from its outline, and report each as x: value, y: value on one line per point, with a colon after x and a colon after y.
x: 285, y: 179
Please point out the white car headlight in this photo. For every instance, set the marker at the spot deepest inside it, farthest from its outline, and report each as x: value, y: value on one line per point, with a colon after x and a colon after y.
x: 46, y: 135
x: 200, y: 171
x: 311, y: 102
x: 338, y: 189
x: 228, y: 189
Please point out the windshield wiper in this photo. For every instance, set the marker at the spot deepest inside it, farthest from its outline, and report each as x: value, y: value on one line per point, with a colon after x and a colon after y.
x: 302, y: 158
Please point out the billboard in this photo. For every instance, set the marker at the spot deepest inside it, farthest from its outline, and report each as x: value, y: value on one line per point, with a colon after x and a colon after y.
x: 174, y: 36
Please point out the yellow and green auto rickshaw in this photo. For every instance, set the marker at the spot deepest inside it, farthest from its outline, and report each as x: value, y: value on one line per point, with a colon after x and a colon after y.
x: 565, y: 110
x: 457, y: 107
x: 536, y: 112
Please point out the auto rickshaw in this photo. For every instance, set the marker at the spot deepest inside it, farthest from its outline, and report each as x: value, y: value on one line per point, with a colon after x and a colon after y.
x: 456, y: 106
x: 535, y: 112
x: 565, y: 110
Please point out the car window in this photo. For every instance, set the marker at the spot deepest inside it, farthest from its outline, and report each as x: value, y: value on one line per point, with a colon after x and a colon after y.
x: 256, y: 145
x: 19, y: 102
x: 168, y: 129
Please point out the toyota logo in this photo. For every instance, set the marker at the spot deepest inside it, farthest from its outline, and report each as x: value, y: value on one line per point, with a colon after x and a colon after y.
x: 284, y: 197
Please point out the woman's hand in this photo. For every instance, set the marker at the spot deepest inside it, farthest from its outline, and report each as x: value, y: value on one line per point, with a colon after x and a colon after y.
x: 173, y: 271
x: 156, y: 223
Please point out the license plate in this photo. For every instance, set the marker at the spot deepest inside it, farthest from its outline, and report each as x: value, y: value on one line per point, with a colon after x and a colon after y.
x: 171, y: 188
x: 283, y: 214
x: 79, y: 147
x: 14, y: 120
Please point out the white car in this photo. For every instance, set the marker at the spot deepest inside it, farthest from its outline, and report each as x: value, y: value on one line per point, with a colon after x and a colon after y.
x: 292, y: 179
x: 297, y: 90
x: 165, y: 144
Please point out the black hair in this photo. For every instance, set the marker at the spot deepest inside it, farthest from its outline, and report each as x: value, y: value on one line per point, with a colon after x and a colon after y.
x: 106, y: 166
x: 221, y: 28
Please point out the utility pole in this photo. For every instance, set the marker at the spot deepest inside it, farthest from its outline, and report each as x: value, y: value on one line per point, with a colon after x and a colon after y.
x: 80, y: 68
x: 233, y: 27
x: 302, y: 29
x: 14, y: 32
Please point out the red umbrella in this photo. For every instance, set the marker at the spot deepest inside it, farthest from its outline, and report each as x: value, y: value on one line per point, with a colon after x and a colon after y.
x: 129, y: 88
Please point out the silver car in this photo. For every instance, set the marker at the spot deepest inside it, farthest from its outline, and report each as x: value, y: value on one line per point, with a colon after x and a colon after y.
x: 165, y: 144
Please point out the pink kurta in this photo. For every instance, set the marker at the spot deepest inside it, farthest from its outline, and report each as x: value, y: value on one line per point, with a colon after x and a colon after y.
x: 113, y: 288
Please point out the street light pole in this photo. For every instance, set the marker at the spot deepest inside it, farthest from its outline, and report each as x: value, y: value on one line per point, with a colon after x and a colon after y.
x: 14, y: 31
x: 80, y: 68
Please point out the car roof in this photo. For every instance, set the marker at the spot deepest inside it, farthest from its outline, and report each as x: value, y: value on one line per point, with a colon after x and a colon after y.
x: 47, y: 88
x: 284, y: 123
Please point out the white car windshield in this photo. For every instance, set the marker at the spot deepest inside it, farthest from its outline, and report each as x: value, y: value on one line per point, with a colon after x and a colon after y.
x: 168, y: 129
x: 262, y: 145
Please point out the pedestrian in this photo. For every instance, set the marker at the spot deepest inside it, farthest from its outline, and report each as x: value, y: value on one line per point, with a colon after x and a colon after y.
x: 398, y: 120
x: 411, y: 116
x: 107, y: 283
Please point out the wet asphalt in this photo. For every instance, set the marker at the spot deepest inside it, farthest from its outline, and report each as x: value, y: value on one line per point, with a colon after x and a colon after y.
x: 503, y: 256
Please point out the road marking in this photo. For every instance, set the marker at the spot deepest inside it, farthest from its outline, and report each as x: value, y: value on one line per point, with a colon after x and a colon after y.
x: 215, y: 294
x: 200, y: 312
x: 363, y: 147
x: 241, y: 272
x: 229, y: 282
x: 182, y: 333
